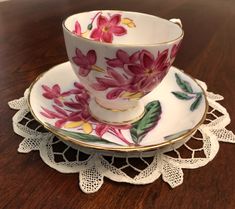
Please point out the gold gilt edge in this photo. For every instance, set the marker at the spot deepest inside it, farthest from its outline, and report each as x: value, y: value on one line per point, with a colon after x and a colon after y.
x: 118, y: 149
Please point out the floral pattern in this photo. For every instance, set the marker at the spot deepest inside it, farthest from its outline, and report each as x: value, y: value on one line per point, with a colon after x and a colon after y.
x: 106, y: 27
x: 101, y: 129
x: 54, y: 93
x: 77, y: 115
x: 139, y: 74
x: 86, y: 63
x: 126, y: 76
x: 174, y: 50
x: 74, y: 114
x: 77, y: 29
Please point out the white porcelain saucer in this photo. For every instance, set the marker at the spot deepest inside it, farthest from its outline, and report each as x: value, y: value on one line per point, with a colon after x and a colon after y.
x: 173, y: 111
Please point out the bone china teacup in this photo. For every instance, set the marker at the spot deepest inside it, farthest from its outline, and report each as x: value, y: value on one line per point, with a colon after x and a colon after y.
x: 119, y: 57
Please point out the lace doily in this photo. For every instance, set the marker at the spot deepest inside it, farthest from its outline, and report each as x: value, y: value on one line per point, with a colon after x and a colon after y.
x: 140, y: 168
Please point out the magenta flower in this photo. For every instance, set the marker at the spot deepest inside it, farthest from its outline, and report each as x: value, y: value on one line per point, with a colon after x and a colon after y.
x: 174, y: 50
x: 80, y: 91
x: 75, y: 113
x: 85, y: 62
x: 78, y: 88
x: 140, y: 73
x: 80, y: 104
x: 119, y: 83
x: 80, y: 101
x: 69, y: 119
x: 123, y: 58
x: 54, y: 94
x: 107, y: 28
x: 149, y: 71
x: 61, y: 115
x: 101, y: 129
x: 77, y: 29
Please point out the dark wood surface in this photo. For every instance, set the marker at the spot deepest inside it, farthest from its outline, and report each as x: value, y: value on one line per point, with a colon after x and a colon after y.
x: 31, y: 41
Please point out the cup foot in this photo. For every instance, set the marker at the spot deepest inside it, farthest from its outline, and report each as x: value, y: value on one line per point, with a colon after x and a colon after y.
x: 114, y: 116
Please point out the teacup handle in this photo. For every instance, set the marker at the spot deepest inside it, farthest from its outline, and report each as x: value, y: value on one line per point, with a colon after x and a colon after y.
x: 176, y: 21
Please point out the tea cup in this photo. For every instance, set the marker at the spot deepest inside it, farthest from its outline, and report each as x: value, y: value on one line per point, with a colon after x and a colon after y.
x: 120, y: 57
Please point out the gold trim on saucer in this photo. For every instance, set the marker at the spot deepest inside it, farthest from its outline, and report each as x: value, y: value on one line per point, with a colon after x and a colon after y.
x: 118, y: 149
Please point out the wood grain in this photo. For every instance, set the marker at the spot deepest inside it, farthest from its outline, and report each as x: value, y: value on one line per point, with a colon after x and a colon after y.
x: 31, y: 41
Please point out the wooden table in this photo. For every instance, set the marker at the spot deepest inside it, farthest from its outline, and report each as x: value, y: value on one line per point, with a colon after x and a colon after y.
x: 31, y: 41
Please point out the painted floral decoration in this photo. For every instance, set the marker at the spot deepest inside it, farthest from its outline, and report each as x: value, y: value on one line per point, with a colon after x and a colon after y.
x: 126, y: 76
x: 86, y: 63
x: 77, y: 115
x: 54, y: 93
x: 77, y: 29
x: 73, y: 115
x: 106, y: 27
x: 139, y: 74
x: 174, y: 50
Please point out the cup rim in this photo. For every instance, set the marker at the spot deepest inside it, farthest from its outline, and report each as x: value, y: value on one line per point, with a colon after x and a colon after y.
x: 122, y: 44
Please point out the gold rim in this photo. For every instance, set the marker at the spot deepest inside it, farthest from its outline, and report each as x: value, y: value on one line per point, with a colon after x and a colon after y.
x: 116, y: 44
x: 119, y: 149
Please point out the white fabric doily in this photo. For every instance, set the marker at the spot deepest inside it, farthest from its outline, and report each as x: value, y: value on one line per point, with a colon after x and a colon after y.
x: 140, y: 168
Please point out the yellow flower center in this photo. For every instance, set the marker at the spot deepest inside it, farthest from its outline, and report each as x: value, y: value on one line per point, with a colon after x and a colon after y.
x: 105, y: 29
x: 148, y: 71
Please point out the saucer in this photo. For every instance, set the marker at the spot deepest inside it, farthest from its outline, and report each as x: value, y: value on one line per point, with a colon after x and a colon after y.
x: 173, y: 111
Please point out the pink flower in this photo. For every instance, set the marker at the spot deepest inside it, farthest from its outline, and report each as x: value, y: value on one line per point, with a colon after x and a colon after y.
x: 123, y: 58
x: 54, y: 94
x: 80, y: 90
x: 101, y: 129
x: 69, y: 119
x: 141, y: 73
x: 114, y: 80
x: 85, y: 62
x: 83, y: 94
x: 61, y: 115
x: 77, y: 29
x: 81, y: 101
x: 77, y: 115
x: 106, y: 28
x: 149, y: 71
x: 174, y: 50
x: 80, y: 105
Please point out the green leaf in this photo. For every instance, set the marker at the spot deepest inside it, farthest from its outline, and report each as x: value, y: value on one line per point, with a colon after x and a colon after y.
x: 89, y: 27
x: 182, y: 95
x: 197, y: 102
x: 184, y: 85
x: 147, y: 122
x: 81, y: 136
